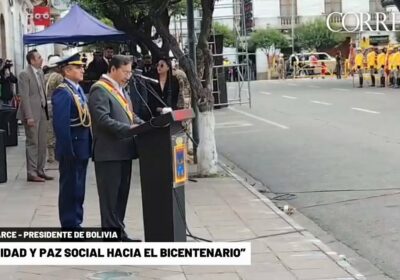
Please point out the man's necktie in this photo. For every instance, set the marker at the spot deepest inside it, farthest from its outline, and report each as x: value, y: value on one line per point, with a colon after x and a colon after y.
x: 41, y: 90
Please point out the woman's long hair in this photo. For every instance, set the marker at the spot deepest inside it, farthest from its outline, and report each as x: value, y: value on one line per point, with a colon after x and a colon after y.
x: 169, y: 79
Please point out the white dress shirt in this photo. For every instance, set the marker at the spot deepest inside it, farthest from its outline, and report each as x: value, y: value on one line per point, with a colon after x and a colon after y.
x: 38, y: 76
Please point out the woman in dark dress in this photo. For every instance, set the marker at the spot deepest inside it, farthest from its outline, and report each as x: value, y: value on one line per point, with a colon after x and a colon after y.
x: 167, y: 89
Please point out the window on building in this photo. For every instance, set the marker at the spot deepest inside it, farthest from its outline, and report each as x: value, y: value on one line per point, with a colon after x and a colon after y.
x: 286, y: 8
x: 375, y: 6
x: 333, y: 6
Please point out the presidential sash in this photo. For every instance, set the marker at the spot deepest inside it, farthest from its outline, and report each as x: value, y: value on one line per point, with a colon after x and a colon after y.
x: 109, y: 88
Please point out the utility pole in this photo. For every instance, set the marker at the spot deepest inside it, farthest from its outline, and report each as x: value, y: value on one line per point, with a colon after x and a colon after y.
x: 192, y: 55
x: 293, y: 22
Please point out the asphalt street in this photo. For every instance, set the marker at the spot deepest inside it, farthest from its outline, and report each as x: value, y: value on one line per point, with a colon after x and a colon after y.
x: 335, y: 147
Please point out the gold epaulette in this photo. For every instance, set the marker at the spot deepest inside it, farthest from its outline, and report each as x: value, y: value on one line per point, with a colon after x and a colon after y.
x: 62, y: 85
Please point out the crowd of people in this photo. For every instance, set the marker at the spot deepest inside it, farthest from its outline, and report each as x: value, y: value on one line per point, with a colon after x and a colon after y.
x: 383, y: 63
x: 7, y: 82
x: 74, y: 125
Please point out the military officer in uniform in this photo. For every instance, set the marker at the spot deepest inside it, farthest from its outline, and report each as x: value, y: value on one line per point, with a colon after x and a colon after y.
x: 71, y: 122
x: 359, y: 65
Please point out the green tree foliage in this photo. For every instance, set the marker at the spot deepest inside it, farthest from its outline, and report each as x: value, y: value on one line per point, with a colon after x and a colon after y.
x: 316, y: 35
x: 264, y: 38
x: 224, y: 30
x: 179, y: 7
x: 138, y: 18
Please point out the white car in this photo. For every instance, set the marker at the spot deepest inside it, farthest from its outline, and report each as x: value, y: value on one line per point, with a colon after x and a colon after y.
x: 303, y: 61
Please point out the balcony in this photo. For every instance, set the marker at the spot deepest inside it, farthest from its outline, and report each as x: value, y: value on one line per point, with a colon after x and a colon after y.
x: 286, y: 22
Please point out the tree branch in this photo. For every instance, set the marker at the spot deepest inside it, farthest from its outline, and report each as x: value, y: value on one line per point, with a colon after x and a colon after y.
x: 204, y: 56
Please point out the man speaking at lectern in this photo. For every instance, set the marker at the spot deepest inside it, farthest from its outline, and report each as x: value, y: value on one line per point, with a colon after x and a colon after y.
x: 114, y: 149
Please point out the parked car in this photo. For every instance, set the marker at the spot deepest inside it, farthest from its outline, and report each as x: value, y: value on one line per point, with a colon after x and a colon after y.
x: 303, y: 62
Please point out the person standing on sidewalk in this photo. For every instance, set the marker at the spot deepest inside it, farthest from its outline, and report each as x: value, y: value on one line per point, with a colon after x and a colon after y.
x: 396, y: 67
x: 7, y: 81
x: 313, y: 63
x: 34, y: 115
x: 359, y: 64
x: 113, y: 141
x: 371, y: 62
x: 281, y: 67
x: 338, y: 68
x: 71, y: 121
x: 52, y: 80
x: 381, y: 61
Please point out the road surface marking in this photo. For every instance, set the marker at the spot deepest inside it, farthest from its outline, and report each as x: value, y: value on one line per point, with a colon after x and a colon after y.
x: 236, y: 131
x: 321, y: 102
x: 234, y: 124
x: 312, y: 86
x: 258, y: 118
x: 289, y: 97
x: 365, y: 110
x: 373, y: 92
x: 265, y: 93
x: 341, y: 89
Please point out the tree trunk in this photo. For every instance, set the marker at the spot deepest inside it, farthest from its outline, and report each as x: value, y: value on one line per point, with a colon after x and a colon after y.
x: 207, y: 156
x: 207, y: 153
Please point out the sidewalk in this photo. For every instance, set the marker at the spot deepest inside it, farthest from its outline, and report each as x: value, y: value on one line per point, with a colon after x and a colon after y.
x: 220, y: 209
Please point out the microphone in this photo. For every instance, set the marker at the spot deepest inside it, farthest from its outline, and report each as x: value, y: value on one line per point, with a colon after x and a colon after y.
x: 139, y: 73
x: 146, y: 78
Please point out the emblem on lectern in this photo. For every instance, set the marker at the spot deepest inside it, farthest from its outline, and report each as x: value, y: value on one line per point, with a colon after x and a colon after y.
x: 180, y: 169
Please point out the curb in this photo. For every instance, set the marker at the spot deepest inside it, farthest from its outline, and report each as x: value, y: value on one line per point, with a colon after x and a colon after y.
x: 339, y: 260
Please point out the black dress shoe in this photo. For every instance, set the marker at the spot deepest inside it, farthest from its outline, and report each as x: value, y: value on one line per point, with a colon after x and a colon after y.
x: 32, y: 178
x: 44, y: 176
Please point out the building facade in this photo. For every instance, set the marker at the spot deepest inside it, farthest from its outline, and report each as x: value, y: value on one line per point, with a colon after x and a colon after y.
x: 278, y: 14
x: 14, y: 22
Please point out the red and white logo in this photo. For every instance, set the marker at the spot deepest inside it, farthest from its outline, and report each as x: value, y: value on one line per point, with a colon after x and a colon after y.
x: 41, y: 16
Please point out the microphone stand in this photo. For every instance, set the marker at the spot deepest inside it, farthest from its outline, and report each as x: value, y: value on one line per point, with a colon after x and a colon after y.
x: 151, y: 90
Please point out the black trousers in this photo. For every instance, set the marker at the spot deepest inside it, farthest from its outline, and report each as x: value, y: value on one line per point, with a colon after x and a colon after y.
x: 113, y: 184
x: 72, y: 192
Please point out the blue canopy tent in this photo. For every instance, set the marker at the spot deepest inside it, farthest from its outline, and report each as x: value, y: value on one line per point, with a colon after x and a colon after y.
x: 77, y: 28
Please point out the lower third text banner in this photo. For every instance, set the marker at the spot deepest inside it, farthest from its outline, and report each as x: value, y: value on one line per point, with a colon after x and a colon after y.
x: 131, y: 253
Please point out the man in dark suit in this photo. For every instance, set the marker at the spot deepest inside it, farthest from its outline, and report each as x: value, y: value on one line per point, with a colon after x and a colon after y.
x: 34, y: 115
x: 148, y: 68
x: 71, y: 121
x: 99, y: 65
x: 113, y: 141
